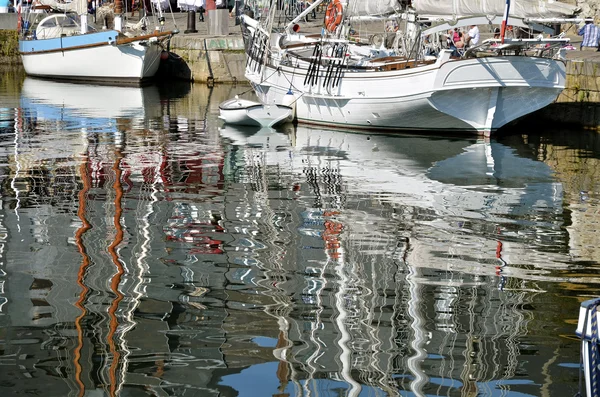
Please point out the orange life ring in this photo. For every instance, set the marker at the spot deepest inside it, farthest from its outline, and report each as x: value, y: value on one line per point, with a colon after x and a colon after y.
x: 333, y: 15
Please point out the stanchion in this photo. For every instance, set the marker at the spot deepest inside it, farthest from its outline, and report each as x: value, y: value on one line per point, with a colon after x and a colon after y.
x: 191, y: 25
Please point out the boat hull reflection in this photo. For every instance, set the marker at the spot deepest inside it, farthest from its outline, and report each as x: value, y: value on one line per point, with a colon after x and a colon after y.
x: 187, y: 259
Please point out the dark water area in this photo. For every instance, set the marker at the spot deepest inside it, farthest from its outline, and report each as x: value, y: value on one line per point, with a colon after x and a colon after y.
x: 148, y: 250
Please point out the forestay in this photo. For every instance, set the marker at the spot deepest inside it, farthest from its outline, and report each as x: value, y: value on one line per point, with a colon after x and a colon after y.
x: 518, y: 8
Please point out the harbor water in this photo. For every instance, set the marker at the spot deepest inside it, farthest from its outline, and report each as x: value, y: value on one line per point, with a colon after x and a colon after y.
x: 146, y: 249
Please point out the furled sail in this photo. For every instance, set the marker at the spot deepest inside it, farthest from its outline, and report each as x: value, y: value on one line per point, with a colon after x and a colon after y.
x: 518, y: 8
x: 372, y: 7
x: 77, y: 6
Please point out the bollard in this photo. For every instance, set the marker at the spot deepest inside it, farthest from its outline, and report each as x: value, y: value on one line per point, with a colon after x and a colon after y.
x: 191, y: 25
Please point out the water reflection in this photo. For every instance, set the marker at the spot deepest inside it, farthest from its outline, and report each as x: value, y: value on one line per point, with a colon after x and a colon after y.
x: 404, y: 227
x: 149, y: 250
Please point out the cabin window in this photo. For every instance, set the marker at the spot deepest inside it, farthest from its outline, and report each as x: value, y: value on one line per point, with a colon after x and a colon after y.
x: 50, y: 23
x: 68, y: 23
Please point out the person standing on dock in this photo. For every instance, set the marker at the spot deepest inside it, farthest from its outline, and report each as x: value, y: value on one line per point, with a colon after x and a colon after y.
x: 202, y: 9
x: 472, y: 37
x: 591, y: 36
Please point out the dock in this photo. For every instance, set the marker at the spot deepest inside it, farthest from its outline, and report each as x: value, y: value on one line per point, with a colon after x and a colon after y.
x: 209, y: 58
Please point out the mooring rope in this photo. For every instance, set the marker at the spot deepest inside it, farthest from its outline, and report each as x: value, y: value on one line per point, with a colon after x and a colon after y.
x: 261, y: 81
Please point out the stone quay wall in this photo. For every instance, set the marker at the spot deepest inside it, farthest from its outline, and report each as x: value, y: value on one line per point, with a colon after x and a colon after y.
x: 583, y: 80
x: 206, y: 60
x: 579, y: 103
x: 9, y: 42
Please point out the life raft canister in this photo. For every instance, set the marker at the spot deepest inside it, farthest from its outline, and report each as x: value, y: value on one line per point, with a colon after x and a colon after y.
x: 333, y: 15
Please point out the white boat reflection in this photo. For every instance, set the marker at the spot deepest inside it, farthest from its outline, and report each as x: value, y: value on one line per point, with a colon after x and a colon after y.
x: 86, y: 105
x: 451, y: 177
x: 467, y: 188
x: 414, y: 232
x: 374, y: 258
x: 266, y: 137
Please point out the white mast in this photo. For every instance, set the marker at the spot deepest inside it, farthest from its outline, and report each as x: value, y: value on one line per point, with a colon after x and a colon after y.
x: 119, y: 15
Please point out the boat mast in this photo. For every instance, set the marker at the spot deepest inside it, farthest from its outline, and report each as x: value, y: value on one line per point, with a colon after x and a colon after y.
x: 304, y: 13
x: 83, y: 16
x: 413, y: 36
x: 119, y: 15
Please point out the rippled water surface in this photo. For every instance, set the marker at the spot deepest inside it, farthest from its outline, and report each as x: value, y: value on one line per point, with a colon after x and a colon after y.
x: 148, y: 250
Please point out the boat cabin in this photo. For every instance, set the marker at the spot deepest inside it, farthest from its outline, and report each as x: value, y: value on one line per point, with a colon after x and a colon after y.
x: 57, y: 25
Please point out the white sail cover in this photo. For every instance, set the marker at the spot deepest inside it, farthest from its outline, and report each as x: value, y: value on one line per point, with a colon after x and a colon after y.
x: 77, y: 6
x: 372, y: 7
x: 518, y: 8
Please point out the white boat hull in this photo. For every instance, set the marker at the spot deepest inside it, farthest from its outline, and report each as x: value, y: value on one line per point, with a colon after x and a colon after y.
x: 97, y: 59
x: 245, y: 112
x: 478, y: 94
x: 131, y: 62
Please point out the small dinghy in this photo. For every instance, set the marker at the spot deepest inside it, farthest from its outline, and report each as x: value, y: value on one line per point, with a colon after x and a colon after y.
x: 245, y: 112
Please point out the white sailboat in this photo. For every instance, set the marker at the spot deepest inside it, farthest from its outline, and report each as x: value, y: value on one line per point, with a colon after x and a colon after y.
x: 337, y: 81
x: 63, y: 45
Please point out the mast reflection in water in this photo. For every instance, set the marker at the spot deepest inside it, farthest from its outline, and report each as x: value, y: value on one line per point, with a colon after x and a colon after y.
x: 148, y: 250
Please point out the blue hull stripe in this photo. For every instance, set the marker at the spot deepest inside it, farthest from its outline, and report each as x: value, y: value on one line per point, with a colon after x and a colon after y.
x: 67, y: 41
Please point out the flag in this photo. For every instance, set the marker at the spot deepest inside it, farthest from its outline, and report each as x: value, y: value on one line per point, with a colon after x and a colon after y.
x: 504, y: 21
